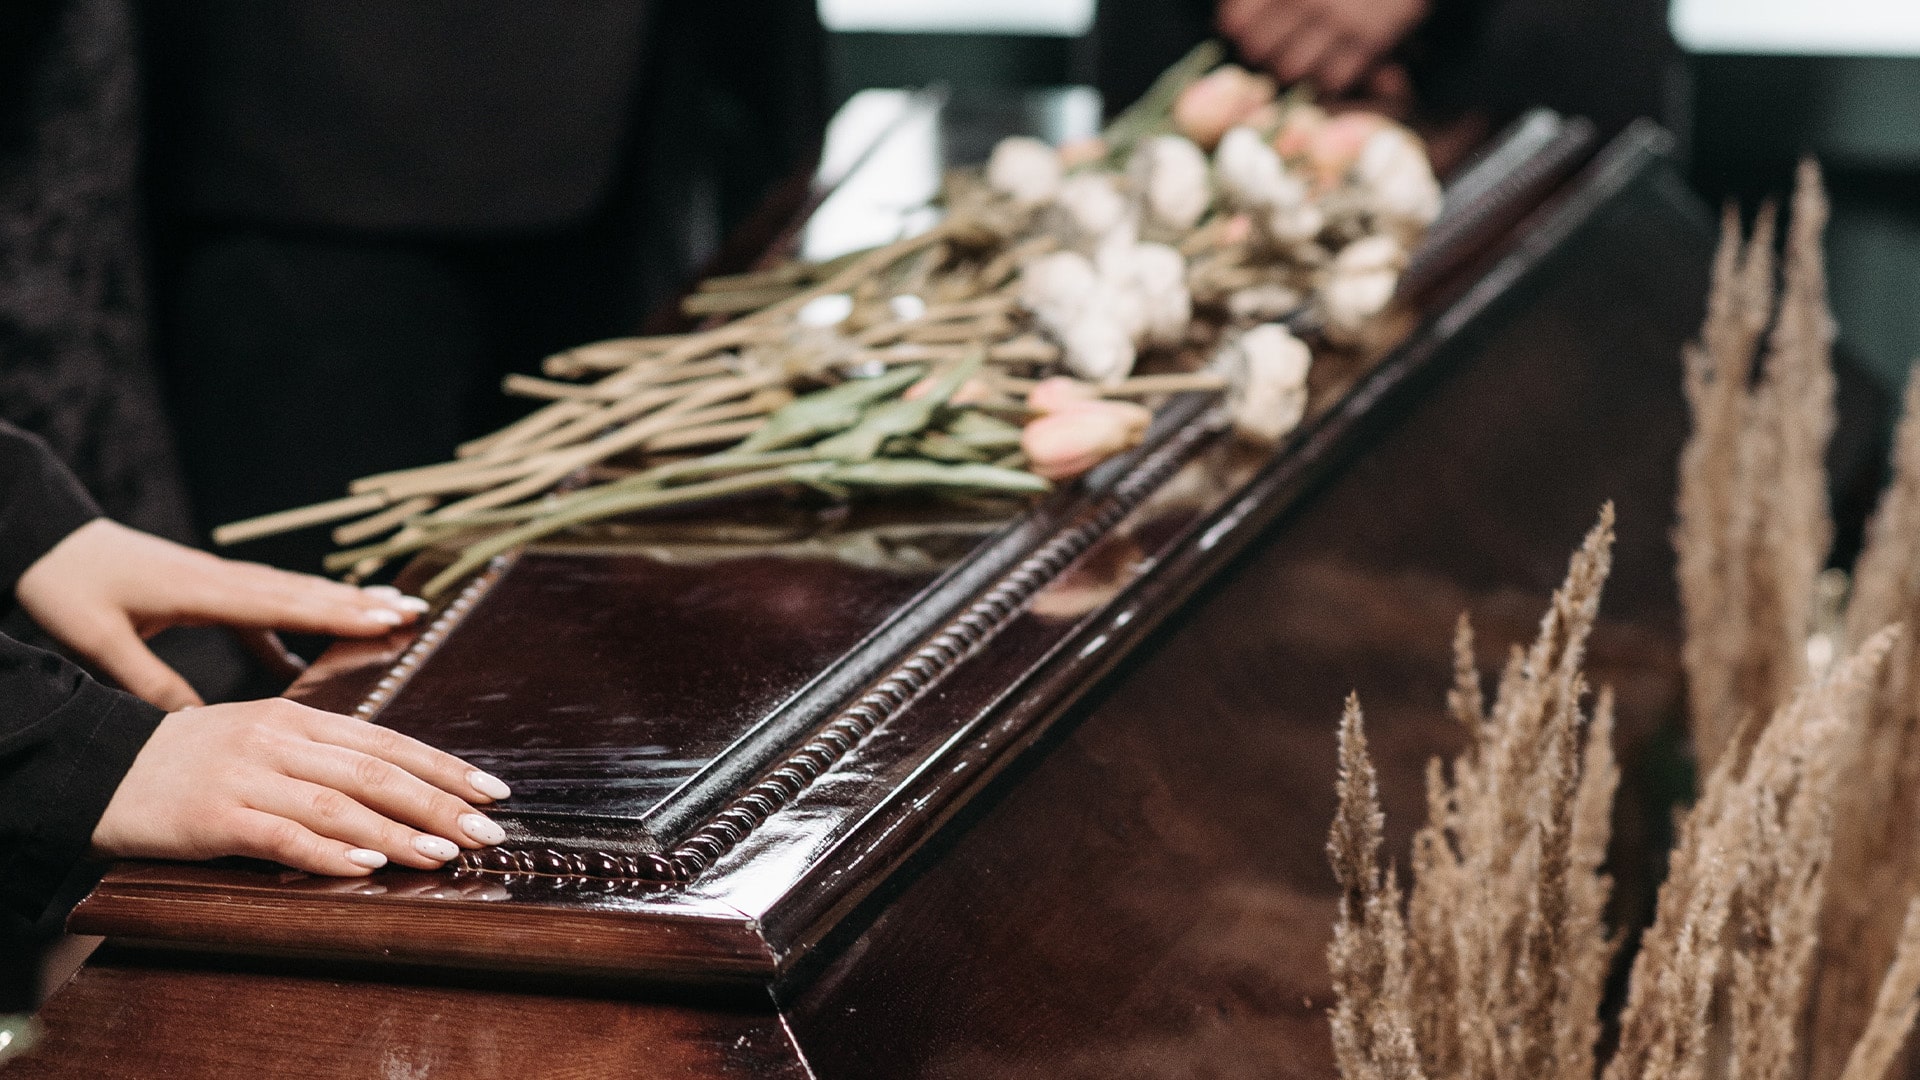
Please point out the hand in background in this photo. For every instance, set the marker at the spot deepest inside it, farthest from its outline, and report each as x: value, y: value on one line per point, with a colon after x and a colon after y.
x: 1332, y: 43
x: 106, y: 588
x: 276, y: 780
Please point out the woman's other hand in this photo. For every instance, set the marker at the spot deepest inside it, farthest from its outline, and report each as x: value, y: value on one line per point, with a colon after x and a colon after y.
x: 106, y: 588
x: 277, y: 780
x: 1334, y: 44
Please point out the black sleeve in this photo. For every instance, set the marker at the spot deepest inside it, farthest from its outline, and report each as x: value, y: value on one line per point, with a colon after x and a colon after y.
x: 40, y: 503
x: 65, y: 744
x: 65, y: 740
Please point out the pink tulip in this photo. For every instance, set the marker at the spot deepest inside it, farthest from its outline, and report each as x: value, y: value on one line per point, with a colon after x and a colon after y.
x: 1217, y: 102
x: 1062, y: 445
x: 1059, y: 392
x: 971, y: 392
x: 1335, y: 146
x: 1080, y: 152
x: 1297, y: 131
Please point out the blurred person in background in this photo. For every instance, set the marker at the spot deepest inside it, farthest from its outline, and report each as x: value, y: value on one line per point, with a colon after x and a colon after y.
x: 321, y: 230
x: 1474, y: 63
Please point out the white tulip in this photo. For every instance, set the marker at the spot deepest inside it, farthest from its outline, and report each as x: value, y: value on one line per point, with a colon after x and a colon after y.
x: 1057, y: 286
x: 1097, y: 349
x: 1263, y: 303
x: 1398, y: 179
x: 1252, y: 176
x: 1026, y: 170
x: 1378, y: 252
x: 1160, y: 279
x: 1267, y: 397
x: 1350, y: 299
x: 1173, y: 176
x: 1295, y: 224
x: 1093, y: 206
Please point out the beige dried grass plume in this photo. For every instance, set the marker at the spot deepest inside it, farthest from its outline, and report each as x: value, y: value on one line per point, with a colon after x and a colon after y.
x: 1754, y: 530
x: 1497, y: 968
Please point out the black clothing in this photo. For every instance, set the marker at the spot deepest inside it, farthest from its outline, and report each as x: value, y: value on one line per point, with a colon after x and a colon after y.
x: 74, y: 363
x: 66, y: 741
x: 1608, y: 60
x: 425, y: 116
x: 369, y: 212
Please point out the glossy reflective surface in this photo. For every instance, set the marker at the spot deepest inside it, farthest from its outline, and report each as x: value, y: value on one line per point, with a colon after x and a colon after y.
x: 596, y: 683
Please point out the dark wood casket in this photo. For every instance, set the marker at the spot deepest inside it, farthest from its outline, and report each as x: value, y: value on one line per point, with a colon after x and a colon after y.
x: 922, y: 792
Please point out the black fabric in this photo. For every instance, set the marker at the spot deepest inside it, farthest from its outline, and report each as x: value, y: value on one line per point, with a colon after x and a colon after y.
x: 305, y: 361
x: 307, y: 345
x: 1610, y: 61
x: 423, y: 116
x: 65, y: 741
x: 74, y: 362
x: 40, y: 503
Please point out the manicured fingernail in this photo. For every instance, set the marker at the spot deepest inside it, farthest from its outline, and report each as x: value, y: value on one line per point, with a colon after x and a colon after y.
x: 412, y: 603
x: 367, y: 857
x: 489, y: 785
x: 384, y: 592
x: 435, y: 848
x: 385, y: 616
x: 482, y: 830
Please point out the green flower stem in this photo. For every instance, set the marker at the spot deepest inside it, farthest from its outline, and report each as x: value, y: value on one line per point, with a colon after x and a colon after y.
x: 605, y: 505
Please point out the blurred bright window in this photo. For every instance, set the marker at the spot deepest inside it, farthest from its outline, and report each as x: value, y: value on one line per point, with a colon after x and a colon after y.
x: 1067, y: 18
x: 1798, y: 27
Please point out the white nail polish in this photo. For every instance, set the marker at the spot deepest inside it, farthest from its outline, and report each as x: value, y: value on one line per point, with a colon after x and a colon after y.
x: 385, y: 616
x: 367, y: 857
x: 412, y: 603
x: 489, y: 785
x: 482, y: 830
x: 435, y: 848
x: 383, y: 592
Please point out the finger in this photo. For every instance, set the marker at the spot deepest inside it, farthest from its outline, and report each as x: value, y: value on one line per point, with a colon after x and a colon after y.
x: 120, y: 653
x: 244, y: 594
x: 1391, y: 87
x: 336, y: 816
x: 1266, y: 36
x: 257, y: 834
x: 394, y: 793
x: 1238, y: 16
x: 1300, y: 56
x: 1342, y: 66
x: 436, y: 767
x: 266, y: 647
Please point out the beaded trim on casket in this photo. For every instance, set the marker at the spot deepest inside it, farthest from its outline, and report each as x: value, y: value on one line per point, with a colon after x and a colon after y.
x: 940, y: 653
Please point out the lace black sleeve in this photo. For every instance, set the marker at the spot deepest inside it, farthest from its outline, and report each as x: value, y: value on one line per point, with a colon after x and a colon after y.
x: 74, y: 362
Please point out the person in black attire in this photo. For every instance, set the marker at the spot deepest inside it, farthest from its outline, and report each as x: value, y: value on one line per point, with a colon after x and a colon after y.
x: 369, y: 211
x: 86, y: 769
x: 1608, y: 60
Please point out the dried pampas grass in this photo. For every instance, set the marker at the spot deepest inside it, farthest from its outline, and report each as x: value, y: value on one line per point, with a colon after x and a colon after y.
x: 1786, y: 938
x: 1496, y: 969
x: 1754, y: 530
x: 1877, y: 849
x: 1752, y: 537
x: 1739, y: 914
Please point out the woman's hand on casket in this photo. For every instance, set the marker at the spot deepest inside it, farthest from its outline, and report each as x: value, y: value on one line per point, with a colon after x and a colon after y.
x: 277, y: 780
x: 106, y: 588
